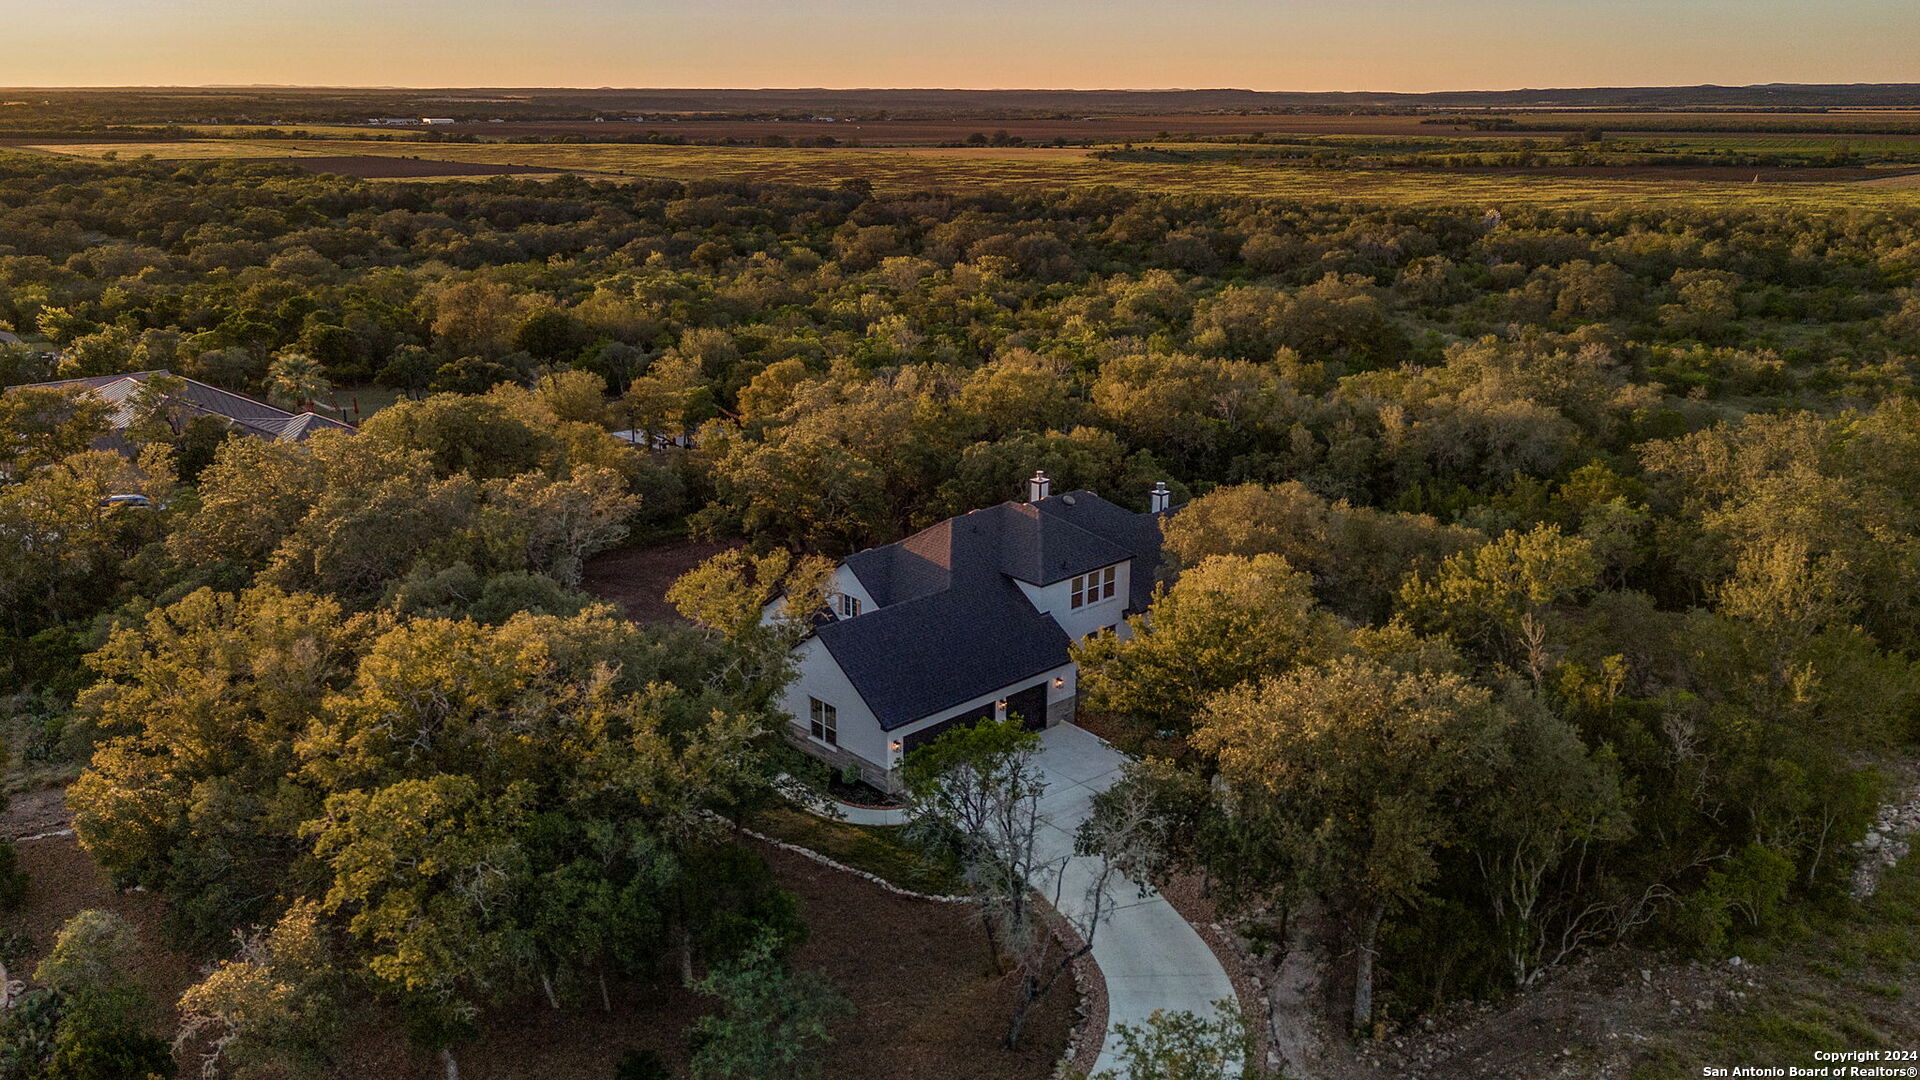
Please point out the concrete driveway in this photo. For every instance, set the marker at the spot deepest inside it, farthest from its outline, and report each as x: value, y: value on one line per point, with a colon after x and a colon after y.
x: 1151, y: 957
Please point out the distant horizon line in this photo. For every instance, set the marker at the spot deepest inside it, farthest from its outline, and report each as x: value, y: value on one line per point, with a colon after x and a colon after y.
x: 955, y: 89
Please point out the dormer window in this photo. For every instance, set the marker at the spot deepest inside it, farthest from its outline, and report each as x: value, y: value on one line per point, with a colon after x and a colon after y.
x: 849, y: 606
x: 1095, y: 587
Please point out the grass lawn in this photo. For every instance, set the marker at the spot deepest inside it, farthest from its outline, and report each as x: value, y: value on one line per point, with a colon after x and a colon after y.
x: 878, y: 850
x: 356, y: 403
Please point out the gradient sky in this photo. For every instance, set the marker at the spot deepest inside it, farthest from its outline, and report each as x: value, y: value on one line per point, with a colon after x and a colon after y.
x: 1271, y: 45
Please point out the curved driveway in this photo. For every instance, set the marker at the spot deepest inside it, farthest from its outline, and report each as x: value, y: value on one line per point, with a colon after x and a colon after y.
x: 1150, y: 956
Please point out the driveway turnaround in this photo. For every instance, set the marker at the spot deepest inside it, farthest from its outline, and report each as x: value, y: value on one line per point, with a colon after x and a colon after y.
x: 1151, y: 957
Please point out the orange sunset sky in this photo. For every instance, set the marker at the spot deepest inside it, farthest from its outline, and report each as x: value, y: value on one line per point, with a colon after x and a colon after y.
x: 1271, y: 45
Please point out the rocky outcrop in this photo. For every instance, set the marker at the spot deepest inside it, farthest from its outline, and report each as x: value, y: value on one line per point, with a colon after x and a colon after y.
x: 1887, y: 841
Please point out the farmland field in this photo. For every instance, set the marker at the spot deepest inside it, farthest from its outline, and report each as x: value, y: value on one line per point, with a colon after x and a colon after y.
x: 1049, y: 168
x: 696, y: 127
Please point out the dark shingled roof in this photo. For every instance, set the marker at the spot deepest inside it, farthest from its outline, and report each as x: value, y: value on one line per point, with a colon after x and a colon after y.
x: 254, y: 417
x: 916, y: 658
x: 951, y: 625
x: 1139, y: 534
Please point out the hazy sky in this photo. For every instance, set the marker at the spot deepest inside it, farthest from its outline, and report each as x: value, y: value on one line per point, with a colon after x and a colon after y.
x: 1258, y: 44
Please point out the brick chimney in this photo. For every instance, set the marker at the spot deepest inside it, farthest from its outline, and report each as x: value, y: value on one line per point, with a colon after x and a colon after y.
x: 1159, y: 498
x: 1039, y: 487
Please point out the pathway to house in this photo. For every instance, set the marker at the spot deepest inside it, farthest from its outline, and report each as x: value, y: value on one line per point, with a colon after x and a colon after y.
x: 1151, y: 958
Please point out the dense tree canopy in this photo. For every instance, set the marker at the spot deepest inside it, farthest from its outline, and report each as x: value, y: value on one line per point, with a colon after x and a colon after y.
x: 1542, y: 577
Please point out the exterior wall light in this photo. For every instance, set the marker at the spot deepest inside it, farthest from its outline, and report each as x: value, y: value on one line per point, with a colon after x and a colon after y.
x: 1059, y: 681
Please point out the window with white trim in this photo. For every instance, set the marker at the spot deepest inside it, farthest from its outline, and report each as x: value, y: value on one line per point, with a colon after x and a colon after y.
x: 823, y: 721
x: 1095, y: 587
x: 849, y: 606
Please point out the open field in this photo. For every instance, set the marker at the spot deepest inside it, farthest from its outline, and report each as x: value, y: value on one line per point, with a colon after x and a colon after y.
x: 1094, y: 122
x: 1725, y: 128
x: 179, y: 150
x: 382, y: 167
x: 1855, y: 121
x: 1015, y: 168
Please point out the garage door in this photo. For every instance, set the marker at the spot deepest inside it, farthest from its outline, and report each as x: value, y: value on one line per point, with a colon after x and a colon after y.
x: 918, y: 739
x: 1030, y: 705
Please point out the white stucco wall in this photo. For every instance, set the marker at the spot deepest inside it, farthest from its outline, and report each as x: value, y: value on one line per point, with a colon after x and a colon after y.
x: 819, y: 675
x: 1057, y: 600
x: 847, y: 583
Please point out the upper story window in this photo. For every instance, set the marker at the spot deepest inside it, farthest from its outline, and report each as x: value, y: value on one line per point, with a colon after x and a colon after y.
x: 1095, y: 587
x: 823, y: 721
x: 849, y: 606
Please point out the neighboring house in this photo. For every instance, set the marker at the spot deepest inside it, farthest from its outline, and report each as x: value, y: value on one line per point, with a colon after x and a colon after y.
x: 655, y: 440
x: 8, y: 337
x: 968, y: 620
x: 242, y: 413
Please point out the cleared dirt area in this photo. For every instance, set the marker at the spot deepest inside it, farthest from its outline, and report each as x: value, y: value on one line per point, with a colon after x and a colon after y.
x: 371, y: 167
x: 927, y: 1004
x: 62, y: 880
x: 636, y: 580
x: 33, y: 812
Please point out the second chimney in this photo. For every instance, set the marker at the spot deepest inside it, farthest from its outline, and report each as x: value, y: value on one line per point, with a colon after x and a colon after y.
x: 1039, y: 487
x: 1159, y: 498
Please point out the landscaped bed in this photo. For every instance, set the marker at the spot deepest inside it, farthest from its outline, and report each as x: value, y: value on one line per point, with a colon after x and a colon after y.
x: 873, y: 849
x: 928, y: 1005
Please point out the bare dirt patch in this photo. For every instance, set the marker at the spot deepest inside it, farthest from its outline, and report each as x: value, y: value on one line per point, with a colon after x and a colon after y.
x: 1594, y: 1019
x: 61, y: 881
x: 636, y: 580
x: 35, y: 812
x: 928, y: 1004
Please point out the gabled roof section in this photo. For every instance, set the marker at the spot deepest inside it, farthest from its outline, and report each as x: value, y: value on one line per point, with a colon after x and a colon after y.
x: 1038, y: 543
x: 250, y: 415
x: 1040, y: 546
x: 913, y: 659
x: 1139, y: 534
x: 920, y: 565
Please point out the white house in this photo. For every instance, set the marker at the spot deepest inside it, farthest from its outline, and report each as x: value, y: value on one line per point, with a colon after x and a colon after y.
x: 966, y: 620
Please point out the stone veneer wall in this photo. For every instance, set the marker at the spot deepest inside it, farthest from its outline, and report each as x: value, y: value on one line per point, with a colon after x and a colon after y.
x: 839, y: 758
x: 1063, y: 711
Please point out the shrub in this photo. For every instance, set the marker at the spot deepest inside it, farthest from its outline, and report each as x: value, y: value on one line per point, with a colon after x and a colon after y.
x: 13, y: 880
x: 641, y: 1065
